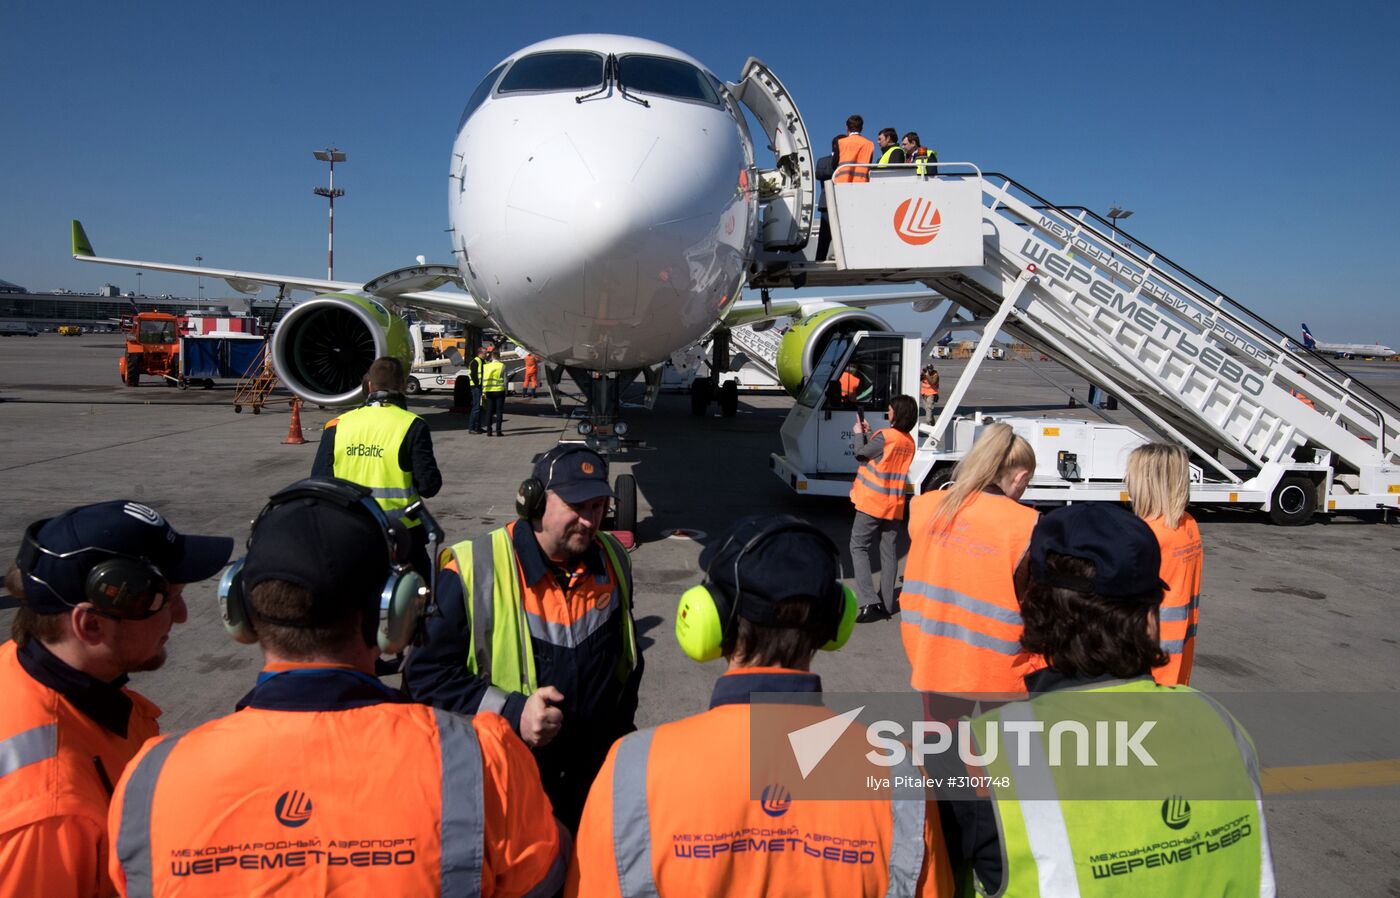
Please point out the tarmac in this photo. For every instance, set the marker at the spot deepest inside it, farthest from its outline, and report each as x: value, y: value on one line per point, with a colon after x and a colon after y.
x: 1284, y: 610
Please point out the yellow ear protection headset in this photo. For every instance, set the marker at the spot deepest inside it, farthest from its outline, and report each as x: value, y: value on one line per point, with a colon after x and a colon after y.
x: 530, y: 498
x: 708, y: 613
x: 124, y: 587
x: 390, y: 624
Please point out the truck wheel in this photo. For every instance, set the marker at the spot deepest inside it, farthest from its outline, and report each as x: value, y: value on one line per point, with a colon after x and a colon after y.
x: 1294, y: 501
x: 133, y: 371
x: 729, y: 398
x: 413, y: 386
x: 700, y: 391
x: 625, y: 510
x: 938, y: 478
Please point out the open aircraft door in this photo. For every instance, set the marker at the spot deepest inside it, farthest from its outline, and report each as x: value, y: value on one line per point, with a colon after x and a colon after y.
x: 788, y: 193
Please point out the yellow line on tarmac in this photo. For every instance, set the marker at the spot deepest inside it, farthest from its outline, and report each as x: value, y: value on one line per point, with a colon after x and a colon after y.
x: 1316, y: 777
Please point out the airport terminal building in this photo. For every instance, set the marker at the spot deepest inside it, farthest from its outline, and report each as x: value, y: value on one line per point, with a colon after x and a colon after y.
x: 101, y: 311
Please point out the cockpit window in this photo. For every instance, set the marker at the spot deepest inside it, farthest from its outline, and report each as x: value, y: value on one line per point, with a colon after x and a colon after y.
x: 561, y: 70
x: 483, y: 90
x: 666, y: 77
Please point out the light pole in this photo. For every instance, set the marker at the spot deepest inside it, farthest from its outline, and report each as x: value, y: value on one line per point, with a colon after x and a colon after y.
x: 1116, y: 212
x: 199, y: 260
x: 331, y: 155
x: 138, y: 284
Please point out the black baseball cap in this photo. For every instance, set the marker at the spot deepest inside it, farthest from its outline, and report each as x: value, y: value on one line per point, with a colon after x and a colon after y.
x: 1127, y: 559
x: 792, y: 561
x: 336, y: 551
x: 575, y: 473
x: 91, y: 534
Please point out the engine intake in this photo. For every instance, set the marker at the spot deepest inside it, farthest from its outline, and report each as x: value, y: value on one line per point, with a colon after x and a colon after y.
x: 324, y: 346
x: 804, y: 341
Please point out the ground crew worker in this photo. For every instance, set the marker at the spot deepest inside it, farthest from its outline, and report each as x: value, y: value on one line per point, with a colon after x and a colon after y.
x: 960, y: 621
x: 878, y: 494
x: 925, y: 160
x: 1090, y: 611
x: 853, y: 148
x: 100, y: 587
x: 928, y: 390
x: 531, y: 387
x: 566, y: 676
x: 474, y: 373
x: 672, y: 811
x: 849, y: 384
x: 1159, y: 482
x: 326, y: 781
x: 493, y: 391
x: 386, y: 448
x: 890, y: 151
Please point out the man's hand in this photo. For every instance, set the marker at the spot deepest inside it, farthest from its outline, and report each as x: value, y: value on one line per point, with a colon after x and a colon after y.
x: 540, y: 720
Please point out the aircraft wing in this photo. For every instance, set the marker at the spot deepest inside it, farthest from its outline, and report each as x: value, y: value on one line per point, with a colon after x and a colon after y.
x: 412, y: 287
x: 754, y: 311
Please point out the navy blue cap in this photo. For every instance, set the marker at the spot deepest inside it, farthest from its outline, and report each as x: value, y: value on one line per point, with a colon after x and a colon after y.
x: 119, y: 527
x: 574, y: 473
x: 1126, y: 557
x: 338, y: 552
x: 787, y: 558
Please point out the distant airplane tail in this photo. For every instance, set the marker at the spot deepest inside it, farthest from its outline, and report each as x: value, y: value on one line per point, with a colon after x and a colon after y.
x: 1308, y: 341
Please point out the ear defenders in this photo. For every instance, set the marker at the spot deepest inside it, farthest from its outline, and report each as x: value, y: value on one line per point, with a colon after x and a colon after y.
x: 124, y: 587
x: 708, y: 614
x: 530, y: 498
x: 390, y: 624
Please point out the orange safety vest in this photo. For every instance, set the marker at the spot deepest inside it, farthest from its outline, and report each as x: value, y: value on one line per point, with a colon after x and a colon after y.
x: 880, y: 486
x: 1303, y: 398
x: 850, y: 386
x: 381, y: 799
x: 853, y: 148
x: 961, y: 620
x: 1181, y: 569
x: 57, y: 767
x: 926, y: 387
x: 652, y: 826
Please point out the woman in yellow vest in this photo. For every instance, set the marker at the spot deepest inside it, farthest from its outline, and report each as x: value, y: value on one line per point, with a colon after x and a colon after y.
x: 961, y: 622
x: 1158, y: 481
x: 1179, y: 814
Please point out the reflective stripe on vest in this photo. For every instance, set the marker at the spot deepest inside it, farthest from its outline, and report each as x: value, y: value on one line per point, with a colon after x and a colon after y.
x: 367, y: 442
x: 1038, y: 831
x: 29, y: 747
x: 461, y: 833
x: 462, y: 838
x: 631, y: 825
x: 500, y: 649
x: 493, y: 377
x: 134, y: 832
x: 880, y: 488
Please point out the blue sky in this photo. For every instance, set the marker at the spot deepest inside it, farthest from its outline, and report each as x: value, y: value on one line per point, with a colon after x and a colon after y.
x: 1256, y: 142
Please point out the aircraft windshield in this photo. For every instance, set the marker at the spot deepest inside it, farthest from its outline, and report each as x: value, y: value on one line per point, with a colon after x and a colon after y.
x: 157, y: 332
x: 666, y: 77
x: 561, y: 70
x: 483, y: 90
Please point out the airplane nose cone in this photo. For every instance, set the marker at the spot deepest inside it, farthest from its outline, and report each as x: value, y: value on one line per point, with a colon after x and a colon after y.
x: 609, y: 214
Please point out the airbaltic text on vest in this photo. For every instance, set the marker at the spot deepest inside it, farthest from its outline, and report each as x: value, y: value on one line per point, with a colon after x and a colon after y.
x: 364, y: 450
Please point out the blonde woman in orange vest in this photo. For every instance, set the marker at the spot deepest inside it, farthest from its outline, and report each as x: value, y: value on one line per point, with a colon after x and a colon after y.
x: 961, y: 619
x: 878, y: 494
x: 1158, y: 481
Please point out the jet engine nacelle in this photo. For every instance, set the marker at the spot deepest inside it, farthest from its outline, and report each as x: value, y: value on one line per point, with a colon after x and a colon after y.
x: 804, y: 341
x: 324, y: 346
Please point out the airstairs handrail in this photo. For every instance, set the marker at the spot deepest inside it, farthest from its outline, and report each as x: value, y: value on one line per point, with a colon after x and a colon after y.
x: 1255, y: 323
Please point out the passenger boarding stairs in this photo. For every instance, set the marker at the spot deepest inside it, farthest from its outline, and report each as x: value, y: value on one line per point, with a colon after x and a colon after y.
x: 760, y: 348
x: 1197, y: 365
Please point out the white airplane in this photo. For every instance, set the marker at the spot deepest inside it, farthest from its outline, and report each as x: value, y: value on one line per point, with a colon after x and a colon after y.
x: 1345, y: 350
x: 605, y: 210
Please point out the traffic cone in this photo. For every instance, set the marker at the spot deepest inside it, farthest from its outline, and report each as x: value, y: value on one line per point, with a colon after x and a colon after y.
x: 294, y: 437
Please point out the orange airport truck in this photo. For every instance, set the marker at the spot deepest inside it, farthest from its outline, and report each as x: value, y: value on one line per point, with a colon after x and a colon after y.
x: 152, y: 348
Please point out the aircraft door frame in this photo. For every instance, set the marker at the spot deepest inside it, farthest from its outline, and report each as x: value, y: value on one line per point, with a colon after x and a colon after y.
x: 788, y: 215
